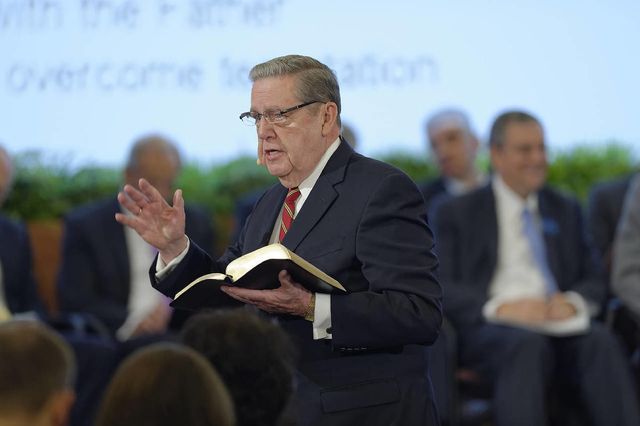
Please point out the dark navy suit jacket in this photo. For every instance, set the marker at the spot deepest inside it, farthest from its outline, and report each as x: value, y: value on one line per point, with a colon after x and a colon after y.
x: 433, y: 189
x: 467, y: 231
x: 20, y: 290
x: 605, y: 208
x: 364, y: 224
x: 94, y: 275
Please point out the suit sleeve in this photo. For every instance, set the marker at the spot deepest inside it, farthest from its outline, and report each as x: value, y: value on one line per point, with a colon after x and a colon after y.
x: 78, y: 284
x: 463, y: 302
x: 22, y: 283
x: 589, y: 280
x: 626, y: 261
x: 394, y: 247
x: 199, y: 228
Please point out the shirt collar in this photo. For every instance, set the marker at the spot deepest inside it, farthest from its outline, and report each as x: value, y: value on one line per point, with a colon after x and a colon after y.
x: 459, y: 187
x: 511, y: 200
x: 307, y: 185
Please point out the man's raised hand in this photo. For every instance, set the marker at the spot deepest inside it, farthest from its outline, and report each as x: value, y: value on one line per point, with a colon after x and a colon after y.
x: 158, y: 223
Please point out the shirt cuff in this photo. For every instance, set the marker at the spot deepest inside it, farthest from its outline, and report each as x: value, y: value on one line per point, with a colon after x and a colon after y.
x: 322, y: 317
x: 162, y: 269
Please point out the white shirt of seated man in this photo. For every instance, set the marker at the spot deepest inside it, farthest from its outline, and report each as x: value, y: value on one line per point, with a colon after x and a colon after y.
x: 518, y: 281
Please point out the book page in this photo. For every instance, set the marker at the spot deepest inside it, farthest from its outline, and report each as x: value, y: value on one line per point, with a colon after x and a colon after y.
x: 216, y: 276
x: 242, y: 265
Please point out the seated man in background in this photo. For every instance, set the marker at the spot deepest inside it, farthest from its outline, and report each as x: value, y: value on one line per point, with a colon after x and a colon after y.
x: 521, y: 283
x: 37, y: 371
x: 625, y: 277
x: 105, y: 266
x: 605, y: 208
x: 454, y: 146
x: 18, y: 290
x: 254, y: 357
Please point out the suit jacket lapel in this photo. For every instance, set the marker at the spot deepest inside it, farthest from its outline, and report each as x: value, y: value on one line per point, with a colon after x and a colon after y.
x: 550, y: 232
x: 321, y: 197
x: 488, y: 226
x: 113, y: 236
x: 267, y: 209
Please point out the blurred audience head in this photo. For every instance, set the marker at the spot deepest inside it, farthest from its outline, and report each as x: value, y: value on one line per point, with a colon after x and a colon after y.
x: 6, y: 174
x: 350, y: 135
x: 453, y: 143
x: 518, y: 152
x: 37, y: 374
x: 254, y: 357
x: 166, y: 384
x: 156, y: 159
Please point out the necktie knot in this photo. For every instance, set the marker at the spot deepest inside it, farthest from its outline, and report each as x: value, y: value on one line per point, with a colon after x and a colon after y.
x: 288, y: 211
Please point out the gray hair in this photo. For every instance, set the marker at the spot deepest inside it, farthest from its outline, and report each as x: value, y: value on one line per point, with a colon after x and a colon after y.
x: 316, y: 81
x: 496, y: 137
x: 450, y: 117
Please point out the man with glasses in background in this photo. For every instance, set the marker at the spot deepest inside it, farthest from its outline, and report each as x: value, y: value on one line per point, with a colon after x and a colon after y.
x: 359, y: 220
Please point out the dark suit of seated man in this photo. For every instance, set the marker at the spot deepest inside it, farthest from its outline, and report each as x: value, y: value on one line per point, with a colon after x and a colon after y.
x: 18, y: 290
x: 521, y: 284
x: 105, y: 265
x: 603, y: 214
x: 361, y: 221
x: 625, y: 273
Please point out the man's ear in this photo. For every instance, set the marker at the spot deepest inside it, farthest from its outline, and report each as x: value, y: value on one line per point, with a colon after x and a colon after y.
x: 59, y: 407
x: 329, y: 117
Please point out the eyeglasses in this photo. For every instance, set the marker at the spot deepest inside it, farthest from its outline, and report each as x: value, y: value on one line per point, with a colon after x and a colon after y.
x: 252, y: 118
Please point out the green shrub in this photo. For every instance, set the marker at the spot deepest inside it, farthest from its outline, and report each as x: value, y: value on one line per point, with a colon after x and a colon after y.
x: 576, y: 170
x: 50, y: 187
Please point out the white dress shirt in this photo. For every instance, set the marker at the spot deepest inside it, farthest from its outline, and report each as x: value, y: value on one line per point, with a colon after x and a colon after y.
x: 517, y: 276
x: 143, y: 298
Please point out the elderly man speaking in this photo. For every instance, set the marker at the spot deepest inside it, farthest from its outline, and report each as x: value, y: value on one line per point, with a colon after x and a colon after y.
x: 361, y: 221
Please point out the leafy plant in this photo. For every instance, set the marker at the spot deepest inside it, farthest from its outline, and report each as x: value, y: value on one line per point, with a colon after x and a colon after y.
x: 576, y: 170
x: 47, y: 187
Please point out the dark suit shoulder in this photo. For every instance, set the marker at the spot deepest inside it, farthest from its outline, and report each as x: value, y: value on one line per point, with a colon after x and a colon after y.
x: 11, y: 227
x: 614, y: 187
x: 476, y: 197
x: 432, y: 188
x: 557, y: 199
x: 93, y: 210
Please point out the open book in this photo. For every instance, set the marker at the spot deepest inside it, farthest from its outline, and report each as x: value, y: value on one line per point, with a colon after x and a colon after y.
x: 256, y: 270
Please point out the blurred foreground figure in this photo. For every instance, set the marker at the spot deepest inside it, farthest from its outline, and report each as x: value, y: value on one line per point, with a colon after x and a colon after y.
x: 37, y: 372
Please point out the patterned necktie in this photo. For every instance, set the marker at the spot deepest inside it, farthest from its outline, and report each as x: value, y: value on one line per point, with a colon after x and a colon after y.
x: 534, y: 237
x: 288, y: 211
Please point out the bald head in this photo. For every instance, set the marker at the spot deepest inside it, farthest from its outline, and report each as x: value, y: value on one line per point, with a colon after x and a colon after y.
x: 156, y: 159
x: 6, y: 174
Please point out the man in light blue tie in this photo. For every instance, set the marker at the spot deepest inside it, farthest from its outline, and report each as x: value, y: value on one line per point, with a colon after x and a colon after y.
x: 522, y: 284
